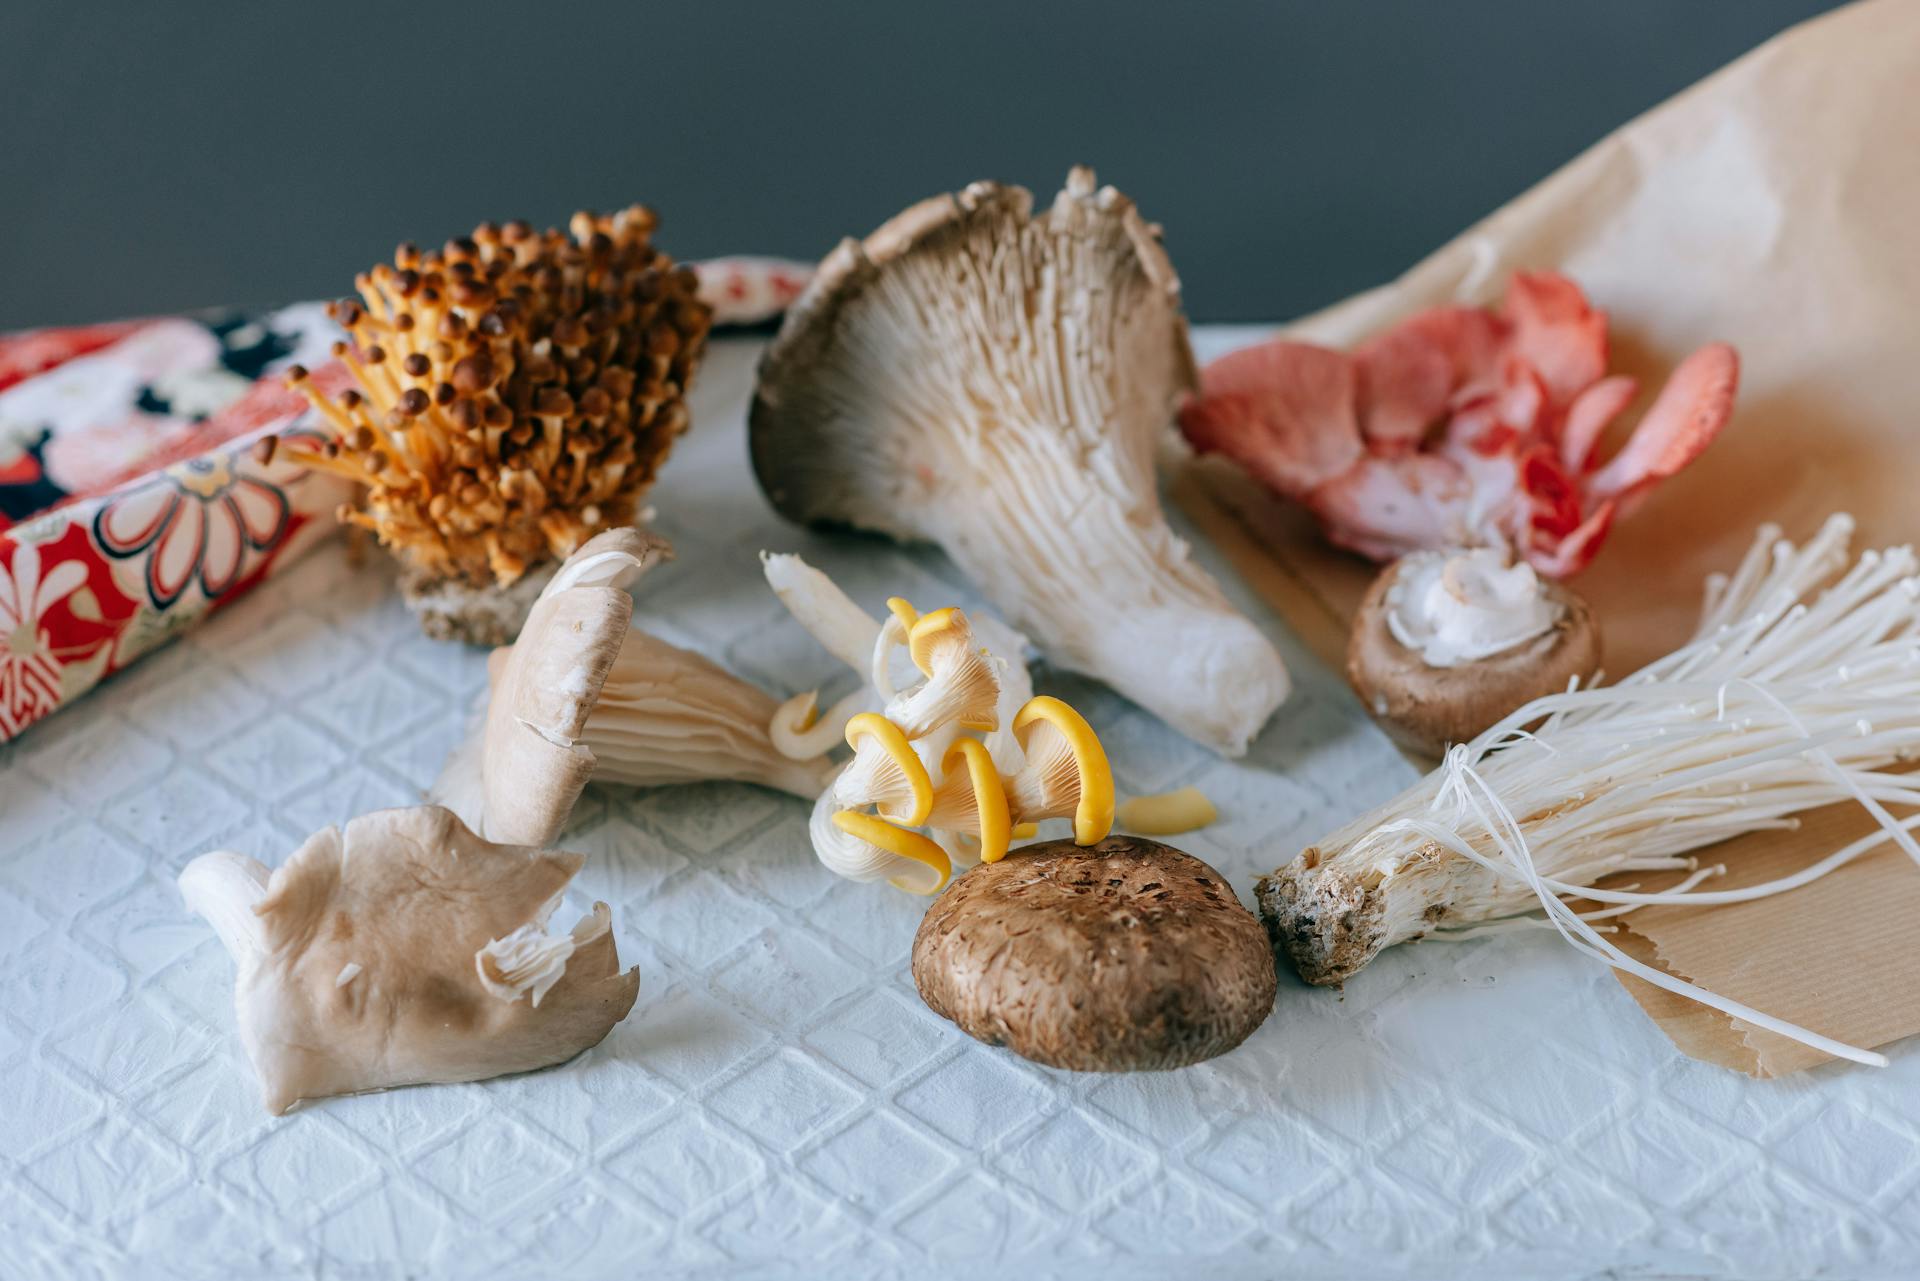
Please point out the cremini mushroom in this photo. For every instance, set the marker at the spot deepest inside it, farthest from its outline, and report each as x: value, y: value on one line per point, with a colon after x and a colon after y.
x: 403, y: 949
x: 997, y: 383
x: 1124, y: 956
x: 1446, y: 643
x: 584, y: 694
x: 515, y: 392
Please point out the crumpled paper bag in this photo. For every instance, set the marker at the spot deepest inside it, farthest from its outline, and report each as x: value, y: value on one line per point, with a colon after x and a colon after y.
x: 1775, y: 205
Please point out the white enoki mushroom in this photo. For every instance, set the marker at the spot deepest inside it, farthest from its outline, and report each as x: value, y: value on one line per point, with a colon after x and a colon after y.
x: 1784, y: 700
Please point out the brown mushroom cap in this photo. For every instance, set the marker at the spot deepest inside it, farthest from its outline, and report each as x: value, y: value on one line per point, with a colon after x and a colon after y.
x: 1425, y: 708
x: 1124, y: 956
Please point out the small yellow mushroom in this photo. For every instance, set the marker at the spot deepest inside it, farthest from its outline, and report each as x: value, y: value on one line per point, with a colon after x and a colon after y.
x: 885, y: 772
x: 902, y: 843
x: 1066, y: 772
x: 962, y: 688
x: 970, y: 798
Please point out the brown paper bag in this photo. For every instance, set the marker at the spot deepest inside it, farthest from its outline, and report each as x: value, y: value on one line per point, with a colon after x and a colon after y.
x: 1775, y: 205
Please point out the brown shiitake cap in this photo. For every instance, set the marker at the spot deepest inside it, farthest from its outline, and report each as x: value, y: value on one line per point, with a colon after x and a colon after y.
x: 1123, y: 956
x: 1425, y: 708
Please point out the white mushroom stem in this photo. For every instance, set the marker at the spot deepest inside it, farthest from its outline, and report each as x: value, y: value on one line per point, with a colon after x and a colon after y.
x: 668, y: 715
x: 1787, y: 698
x: 224, y: 888
x: 801, y: 732
x: 844, y: 629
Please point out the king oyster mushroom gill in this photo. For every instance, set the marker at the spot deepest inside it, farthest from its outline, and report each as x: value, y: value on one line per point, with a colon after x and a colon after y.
x: 996, y: 382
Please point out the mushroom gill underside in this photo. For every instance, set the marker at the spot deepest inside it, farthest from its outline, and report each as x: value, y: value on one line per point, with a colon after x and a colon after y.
x: 997, y: 383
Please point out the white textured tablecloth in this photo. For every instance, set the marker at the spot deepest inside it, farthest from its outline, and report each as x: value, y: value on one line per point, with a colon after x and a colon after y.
x: 779, y: 1102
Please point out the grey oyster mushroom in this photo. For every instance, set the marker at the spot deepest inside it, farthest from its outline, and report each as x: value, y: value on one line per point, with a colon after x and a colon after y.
x: 404, y: 950
x: 996, y: 382
x: 584, y: 694
x: 1127, y: 955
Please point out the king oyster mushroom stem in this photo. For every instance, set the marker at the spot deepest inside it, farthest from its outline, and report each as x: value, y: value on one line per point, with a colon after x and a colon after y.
x: 584, y: 694
x: 994, y: 382
x: 403, y: 949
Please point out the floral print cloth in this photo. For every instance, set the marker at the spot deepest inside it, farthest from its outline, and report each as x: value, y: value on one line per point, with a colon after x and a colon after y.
x: 131, y: 503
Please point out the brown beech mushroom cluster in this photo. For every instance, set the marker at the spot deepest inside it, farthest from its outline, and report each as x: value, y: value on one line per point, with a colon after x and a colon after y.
x: 1446, y: 643
x: 584, y: 694
x: 1124, y: 956
x: 997, y: 381
x: 401, y: 950
x: 515, y: 393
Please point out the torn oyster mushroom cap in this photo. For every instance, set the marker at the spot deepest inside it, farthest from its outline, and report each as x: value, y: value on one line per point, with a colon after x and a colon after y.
x: 584, y: 694
x: 996, y: 382
x: 403, y: 949
x: 1446, y: 643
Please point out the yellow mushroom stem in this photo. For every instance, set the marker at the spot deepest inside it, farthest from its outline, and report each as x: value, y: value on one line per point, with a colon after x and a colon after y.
x: 896, y: 840
x: 885, y: 772
x: 1066, y: 771
x: 971, y: 799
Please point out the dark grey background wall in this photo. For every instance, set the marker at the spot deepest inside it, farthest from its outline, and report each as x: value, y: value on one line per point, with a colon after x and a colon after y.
x: 162, y: 156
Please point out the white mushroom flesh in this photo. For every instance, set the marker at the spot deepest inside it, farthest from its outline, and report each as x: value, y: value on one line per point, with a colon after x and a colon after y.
x: 1457, y: 607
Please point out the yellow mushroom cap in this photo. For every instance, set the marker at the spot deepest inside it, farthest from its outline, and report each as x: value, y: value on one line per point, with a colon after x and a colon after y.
x: 962, y: 687
x: 925, y: 634
x: 868, y: 772
x: 1093, y: 809
x: 991, y: 815
x: 903, y: 609
x: 881, y: 834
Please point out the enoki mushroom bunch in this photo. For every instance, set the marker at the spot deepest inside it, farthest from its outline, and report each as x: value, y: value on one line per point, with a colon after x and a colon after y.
x: 516, y: 391
x: 1788, y: 697
x: 919, y: 764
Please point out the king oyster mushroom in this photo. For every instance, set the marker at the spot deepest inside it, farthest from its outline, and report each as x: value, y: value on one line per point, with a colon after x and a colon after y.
x: 1124, y: 956
x: 995, y: 382
x: 402, y: 950
x: 584, y: 694
x: 1446, y: 643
